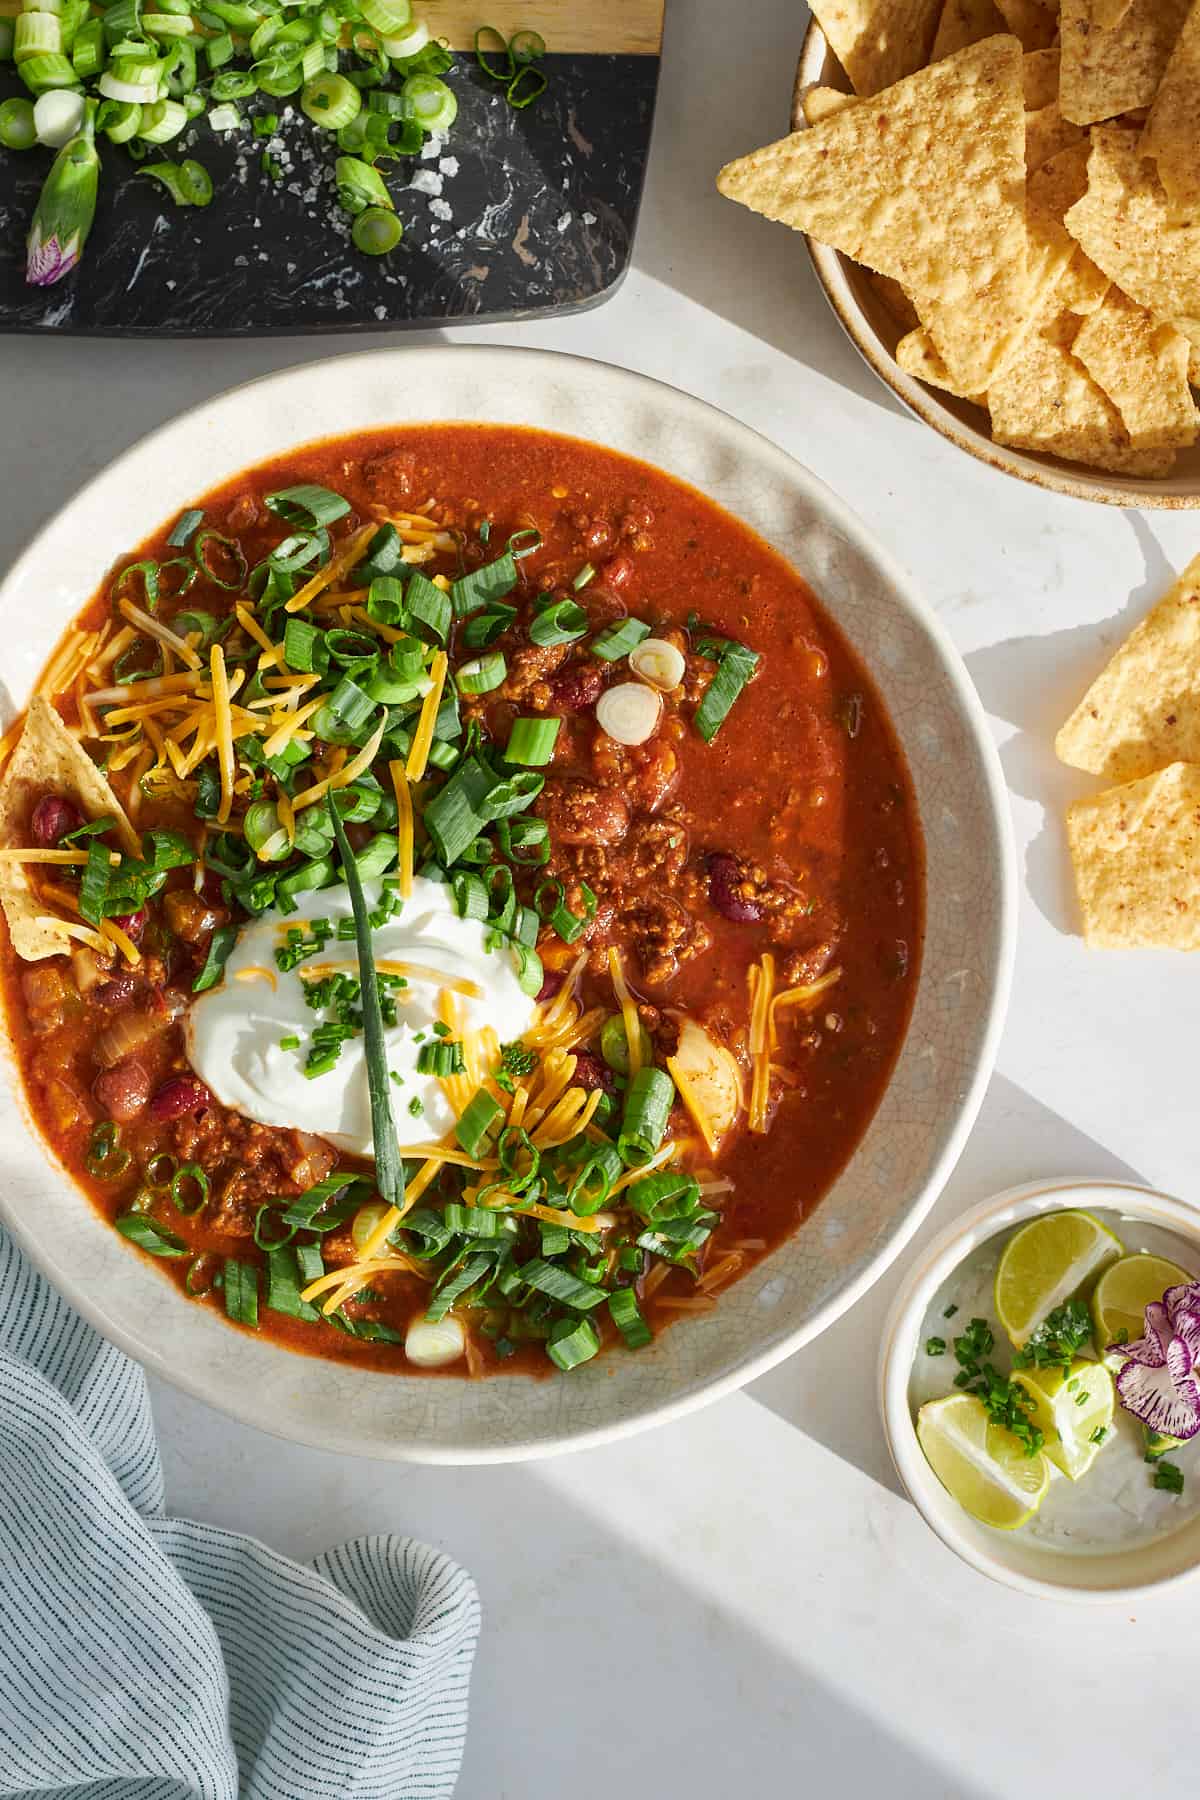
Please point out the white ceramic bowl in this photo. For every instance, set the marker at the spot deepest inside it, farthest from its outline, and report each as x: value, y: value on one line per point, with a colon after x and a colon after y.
x: 1015, y: 1557
x: 874, y: 332
x: 922, y: 1122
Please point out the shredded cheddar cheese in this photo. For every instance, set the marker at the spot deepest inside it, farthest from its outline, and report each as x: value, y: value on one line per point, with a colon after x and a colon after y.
x: 348, y: 772
x: 418, y: 756
x: 762, y: 990
x: 223, y: 729
x: 335, y: 567
x: 112, y: 931
x: 692, y: 1102
x: 629, y: 1011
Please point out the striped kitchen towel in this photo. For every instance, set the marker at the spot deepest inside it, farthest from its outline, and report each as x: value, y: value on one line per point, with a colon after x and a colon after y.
x: 148, y: 1658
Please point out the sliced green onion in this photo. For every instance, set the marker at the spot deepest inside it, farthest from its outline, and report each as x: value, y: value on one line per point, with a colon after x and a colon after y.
x: 477, y: 1121
x: 455, y: 1284
x: 429, y: 606
x: 526, y: 86
x: 410, y: 42
x: 17, y: 129
x: 307, y: 505
x: 57, y: 116
x: 563, y: 622
x: 359, y: 185
x: 430, y: 103
x: 36, y: 34
x: 189, y: 1189
x: 188, y: 183
x: 571, y: 1343
x: 149, y: 1236
x: 330, y: 101
x: 667, y: 1194
x: 559, y: 1284
x: 648, y: 1101
x: 626, y: 1315
x: 502, y: 71
x: 41, y: 73
x: 531, y: 741
x: 162, y: 122
x: 486, y: 626
x: 287, y: 1277
x: 481, y: 675
x: 616, y: 641
x: 386, y: 15
x: 594, y: 1179
x: 241, y: 1292
x: 735, y: 668
x: 586, y: 574
x: 614, y: 1044
x: 376, y: 230
x: 184, y: 529
x: 104, y: 1157
x: 222, y: 942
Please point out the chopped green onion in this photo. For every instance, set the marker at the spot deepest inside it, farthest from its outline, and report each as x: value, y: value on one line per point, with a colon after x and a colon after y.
x: 184, y: 529
x: 504, y: 71
x: 572, y: 1342
x: 526, y: 86
x: 104, y: 1157
x: 627, y: 1317
x: 331, y: 101
x: 667, y: 1194
x: 149, y: 1236
x: 562, y: 622
x: 17, y: 129
x: 486, y: 626
x: 429, y: 102
x: 222, y: 942
x: 307, y: 505
x: 594, y: 1179
x: 559, y: 1284
x: 376, y: 230
x: 527, y: 46
x: 241, y: 1292
x: 531, y: 741
x: 188, y: 183
x: 648, y: 1101
x: 614, y: 1044
x: 287, y: 1276
x: 481, y: 675
x: 189, y: 1189
x: 616, y: 641
x: 477, y: 1121
x: 735, y: 668
x: 359, y: 185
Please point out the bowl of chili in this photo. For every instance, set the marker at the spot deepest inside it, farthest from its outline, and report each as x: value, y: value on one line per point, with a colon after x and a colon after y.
x: 568, y: 918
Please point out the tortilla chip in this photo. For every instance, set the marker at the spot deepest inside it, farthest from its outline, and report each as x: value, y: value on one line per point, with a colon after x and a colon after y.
x: 47, y: 759
x: 898, y: 303
x: 1142, y: 366
x: 965, y: 22
x: 926, y: 183
x: 1172, y: 135
x: 1047, y: 132
x: 1046, y: 400
x: 1106, y: 72
x: 1083, y: 286
x: 916, y: 356
x: 1194, y: 365
x: 1136, y: 855
x: 1053, y: 191
x: 1050, y: 192
x: 1039, y: 77
x: 1030, y: 22
x: 1122, y: 224
x: 878, y: 42
x: 1107, y: 14
x: 822, y: 102
x: 1143, y: 710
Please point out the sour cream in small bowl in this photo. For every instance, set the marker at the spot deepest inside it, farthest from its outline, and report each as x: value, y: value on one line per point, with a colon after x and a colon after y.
x: 1114, y: 1533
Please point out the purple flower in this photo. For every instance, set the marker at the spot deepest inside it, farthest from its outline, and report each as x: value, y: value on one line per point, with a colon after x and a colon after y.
x: 1159, y: 1382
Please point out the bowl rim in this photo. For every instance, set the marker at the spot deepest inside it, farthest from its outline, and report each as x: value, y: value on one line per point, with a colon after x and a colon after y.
x: 242, y: 1403
x: 1059, y: 477
x: 937, y: 1262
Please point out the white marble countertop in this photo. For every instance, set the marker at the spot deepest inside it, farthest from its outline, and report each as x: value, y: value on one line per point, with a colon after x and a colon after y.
x: 744, y: 1600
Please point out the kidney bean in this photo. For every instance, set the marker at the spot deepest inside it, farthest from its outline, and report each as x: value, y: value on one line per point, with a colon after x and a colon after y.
x: 119, y: 991
x: 52, y: 818
x: 178, y: 1097
x: 133, y: 924
x: 617, y: 572
x: 577, y: 687
x: 551, y: 983
x: 724, y: 882
x: 591, y: 1071
x: 123, y: 1091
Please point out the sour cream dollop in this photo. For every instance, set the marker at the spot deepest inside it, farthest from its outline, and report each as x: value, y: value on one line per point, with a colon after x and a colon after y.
x: 234, y: 1030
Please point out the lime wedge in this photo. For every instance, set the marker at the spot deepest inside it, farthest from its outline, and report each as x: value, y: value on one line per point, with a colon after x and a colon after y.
x: 1123, y: 1293
x: 1074, y: 1410
x: 1045, y: 1264
x: 983, y: 1466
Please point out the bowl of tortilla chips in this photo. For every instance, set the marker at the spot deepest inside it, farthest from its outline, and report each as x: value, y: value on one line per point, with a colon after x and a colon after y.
x: 1001, y: 199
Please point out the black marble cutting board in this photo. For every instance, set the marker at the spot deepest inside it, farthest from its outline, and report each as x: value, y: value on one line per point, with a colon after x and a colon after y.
x: 518, y: 214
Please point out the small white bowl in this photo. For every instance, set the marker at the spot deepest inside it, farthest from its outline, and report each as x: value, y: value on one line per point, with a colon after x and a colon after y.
x: 875, y: 332
x: 1014, y: 1557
